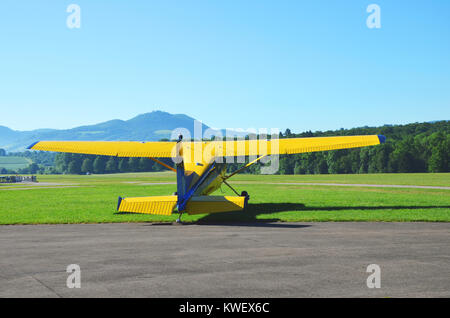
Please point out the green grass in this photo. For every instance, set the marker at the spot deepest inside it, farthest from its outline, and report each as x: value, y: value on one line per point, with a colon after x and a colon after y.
x: 93, y: 199
x: 426, y: 179
x: 14, y: 163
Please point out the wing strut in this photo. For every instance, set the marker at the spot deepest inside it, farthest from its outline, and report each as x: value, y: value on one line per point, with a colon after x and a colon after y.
x: 231, y: 188
x: 244, y: 167
x: 163, y: 164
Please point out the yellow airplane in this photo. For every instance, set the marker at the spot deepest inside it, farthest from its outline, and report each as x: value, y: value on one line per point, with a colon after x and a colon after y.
x: 199, y: 168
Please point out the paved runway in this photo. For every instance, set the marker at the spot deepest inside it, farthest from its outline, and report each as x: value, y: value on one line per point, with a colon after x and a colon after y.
x: 240, y: 260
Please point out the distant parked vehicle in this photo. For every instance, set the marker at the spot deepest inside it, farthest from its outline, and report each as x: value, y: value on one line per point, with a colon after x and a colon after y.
x: 16, y: 179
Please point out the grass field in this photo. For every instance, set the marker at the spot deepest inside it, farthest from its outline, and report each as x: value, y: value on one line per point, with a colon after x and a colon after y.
x: 14, y: 163
x: 92, y: 199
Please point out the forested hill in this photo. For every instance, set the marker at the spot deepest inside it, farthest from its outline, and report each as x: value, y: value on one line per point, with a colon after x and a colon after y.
x: 393, y: 132
x: 419, y: 147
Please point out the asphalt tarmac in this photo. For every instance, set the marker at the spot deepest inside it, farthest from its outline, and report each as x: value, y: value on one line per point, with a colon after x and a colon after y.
x: 226, y: 260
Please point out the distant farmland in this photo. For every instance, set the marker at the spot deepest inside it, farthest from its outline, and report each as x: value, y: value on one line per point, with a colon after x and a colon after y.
x: 14, y: 163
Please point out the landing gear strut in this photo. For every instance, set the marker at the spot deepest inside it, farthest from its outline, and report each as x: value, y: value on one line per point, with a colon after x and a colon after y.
x: 247, y: 197
x: 243, y: 193
x: 178, y: 221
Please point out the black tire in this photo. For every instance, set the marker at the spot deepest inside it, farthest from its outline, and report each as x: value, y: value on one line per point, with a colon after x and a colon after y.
x: 247, y: 197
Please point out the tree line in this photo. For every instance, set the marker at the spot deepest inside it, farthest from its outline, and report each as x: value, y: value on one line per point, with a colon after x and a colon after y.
x: 418, y: 147
x: 421, y: 147
x: 82, y: 164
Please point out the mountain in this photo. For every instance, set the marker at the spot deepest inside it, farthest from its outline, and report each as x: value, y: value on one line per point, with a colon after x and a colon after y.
x: 152, y: 126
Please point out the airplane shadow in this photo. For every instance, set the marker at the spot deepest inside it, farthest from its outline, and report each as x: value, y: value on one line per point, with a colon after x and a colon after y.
x: 383, y: 207
x: 249, y: 216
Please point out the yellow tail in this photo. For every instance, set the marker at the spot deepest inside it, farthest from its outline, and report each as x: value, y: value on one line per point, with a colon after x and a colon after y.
x: 214, y: 204
x: 161, y: 205
x: 164, y: 205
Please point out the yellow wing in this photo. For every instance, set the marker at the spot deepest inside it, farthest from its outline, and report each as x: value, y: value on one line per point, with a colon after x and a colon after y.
x: 282, y: 146
x: 109, y: 148
x: 301, y: 145
x: 201, y: 151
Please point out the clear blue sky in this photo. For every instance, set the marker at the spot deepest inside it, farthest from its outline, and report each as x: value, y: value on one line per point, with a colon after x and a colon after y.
x: 303, y: 65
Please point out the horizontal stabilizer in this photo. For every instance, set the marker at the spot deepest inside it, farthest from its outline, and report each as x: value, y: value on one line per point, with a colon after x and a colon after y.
x: 161, y: 205
x: 214, y: 204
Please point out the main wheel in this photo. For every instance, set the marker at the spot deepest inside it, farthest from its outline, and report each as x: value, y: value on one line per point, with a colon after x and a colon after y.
x: 247, y: 197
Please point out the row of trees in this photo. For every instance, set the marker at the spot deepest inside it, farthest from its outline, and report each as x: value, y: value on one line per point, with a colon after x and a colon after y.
x: 423, y: 147
x: 33, y: 168
x: 429, y: 154
x: 82, y: 164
